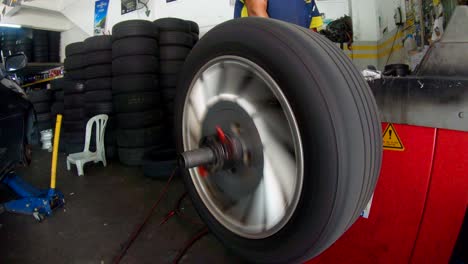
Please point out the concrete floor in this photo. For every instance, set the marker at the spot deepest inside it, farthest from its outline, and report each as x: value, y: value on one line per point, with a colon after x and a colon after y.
x: 102, y: 209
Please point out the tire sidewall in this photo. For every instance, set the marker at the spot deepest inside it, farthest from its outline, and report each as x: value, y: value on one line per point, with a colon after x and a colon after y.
x: 270, y: 48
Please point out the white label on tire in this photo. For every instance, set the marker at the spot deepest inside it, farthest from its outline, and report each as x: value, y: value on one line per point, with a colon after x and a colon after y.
x: 366, y: 211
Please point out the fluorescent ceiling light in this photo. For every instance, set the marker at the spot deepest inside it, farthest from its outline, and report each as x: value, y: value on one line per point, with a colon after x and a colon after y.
x: 10, y: 25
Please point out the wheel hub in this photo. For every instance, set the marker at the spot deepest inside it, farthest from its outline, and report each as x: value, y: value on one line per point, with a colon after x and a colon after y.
x: 242, y: 147
x: 236, y: 164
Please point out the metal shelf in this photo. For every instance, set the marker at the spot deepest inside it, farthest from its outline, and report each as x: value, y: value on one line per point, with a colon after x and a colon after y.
x: 37, y: 67
x: 41, y: 81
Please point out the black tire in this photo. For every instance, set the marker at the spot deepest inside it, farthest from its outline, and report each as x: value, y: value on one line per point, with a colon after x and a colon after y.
x: 172, y: 24
x: 10, y: 43
x: 43, y: 117
x: 74, y: 101
x: 74, y: 62
x: 195, y: 37
x: 24, y: 47
x: 98, y: 57
x: 74, y: 126
x: 98, y: 71
x: 132, y: 138
x: 58, y: 84
x: 72, y: 87
x: 169, y: 110
x: 57, y: 108
x: 139, y: 119
x: 74, y: 114
x: 194, y: 28
x: 75, y: 75
x: 168, y: 94
x: 134, y: 83
x: 136, y: 102
x: 73, y: 147
x: 159, y: 163
x: 24, y: 44
x: 135, y: 46
x: 132, y: 156
x: 140, y: 64
x: 111, y: 151
x: 59, y: 95
x: 40, y: 42
x: 54, y: 58
x: 10, y: 39
x: 43, y: 59
x: 170, y: 66
x: 134, y: 28
x: 74, y: 138
x: 41, y: 50
x: 98, y: 96
x: 54, y: 35
x: 74, y: 48
x: 98, y: 108
x: 42, y: 107
x: 98, y: 84
x: 171, y: 38
x: 340, y: 133
x: 44, y: 125
x: 173, y: 53
x: 98, y: 43
x: 168, y: 80
x: 38, y: 96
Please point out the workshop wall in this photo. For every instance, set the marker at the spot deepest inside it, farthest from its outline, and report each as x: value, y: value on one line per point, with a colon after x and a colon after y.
x: 370, y: 18
x: 386, y: 12
x: 32, y: 17
x: 75, y: 34
x: 333, y: 9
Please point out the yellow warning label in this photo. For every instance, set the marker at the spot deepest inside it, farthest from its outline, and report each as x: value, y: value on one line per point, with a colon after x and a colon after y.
x: 391, y: 140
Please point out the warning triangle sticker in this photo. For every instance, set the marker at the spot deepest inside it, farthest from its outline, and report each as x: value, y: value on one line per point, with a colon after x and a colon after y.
x: 391, y: 140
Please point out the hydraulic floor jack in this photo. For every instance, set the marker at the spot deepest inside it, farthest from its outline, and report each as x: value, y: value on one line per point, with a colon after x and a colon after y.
x: 33, y: 201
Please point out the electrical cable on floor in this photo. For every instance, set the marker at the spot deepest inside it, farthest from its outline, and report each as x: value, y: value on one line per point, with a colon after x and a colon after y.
x: 137, y: 231
x: 176, y: 211
x: 203, y: 232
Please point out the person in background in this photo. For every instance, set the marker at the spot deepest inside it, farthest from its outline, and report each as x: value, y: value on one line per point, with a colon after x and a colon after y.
x: 300, y: 12
x: 438, y: 28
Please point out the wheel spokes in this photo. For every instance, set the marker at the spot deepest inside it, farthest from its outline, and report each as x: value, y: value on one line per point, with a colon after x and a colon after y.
x: 264, y: 206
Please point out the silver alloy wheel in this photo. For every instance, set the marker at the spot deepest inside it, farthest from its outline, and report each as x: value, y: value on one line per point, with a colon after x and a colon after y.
x: 265, y: 206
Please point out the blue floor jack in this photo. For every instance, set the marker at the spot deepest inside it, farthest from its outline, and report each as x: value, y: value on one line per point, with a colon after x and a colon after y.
x: 36, y: 202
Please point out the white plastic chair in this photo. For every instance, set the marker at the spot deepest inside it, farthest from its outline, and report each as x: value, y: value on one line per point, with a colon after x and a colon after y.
x: 81, y: 158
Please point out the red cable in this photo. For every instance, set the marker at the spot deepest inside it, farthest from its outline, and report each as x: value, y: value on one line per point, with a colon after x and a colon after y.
x: 137, y: 231
x: 190, y: 243
x: 178, y: 212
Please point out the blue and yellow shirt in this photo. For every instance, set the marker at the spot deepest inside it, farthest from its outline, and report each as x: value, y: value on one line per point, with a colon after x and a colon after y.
x: 300, y: 12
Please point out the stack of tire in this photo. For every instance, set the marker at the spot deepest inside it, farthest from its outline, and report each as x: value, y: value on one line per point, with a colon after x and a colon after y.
x: 25, y: 45
x: 136, y: 96
x: 9, y: 37
x: 40, y: 46
x: 176, y: 39
x: 41, y: 100
x: 54, y: 46
x: 98, y: 85
x: 74, y: 118
x: 56, y: 86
